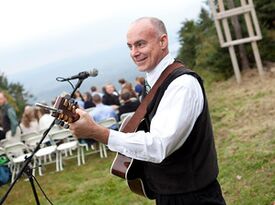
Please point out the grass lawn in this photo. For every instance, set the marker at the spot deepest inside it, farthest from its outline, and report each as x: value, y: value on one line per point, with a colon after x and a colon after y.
x: 87, y: 184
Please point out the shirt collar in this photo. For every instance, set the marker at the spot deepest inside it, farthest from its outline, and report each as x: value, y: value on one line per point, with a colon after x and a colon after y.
x: 154, y: 74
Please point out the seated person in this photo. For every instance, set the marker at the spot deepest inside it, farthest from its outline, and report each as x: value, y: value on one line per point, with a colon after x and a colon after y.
x: 45, y: 119
x: 88, y: 100
x: 79, y: 99
x: 129, y: 88
x: 129, y: 105
x: 28, y: 121
x: 102, y: 112
x: 110, y: 96
x: 139, y: 85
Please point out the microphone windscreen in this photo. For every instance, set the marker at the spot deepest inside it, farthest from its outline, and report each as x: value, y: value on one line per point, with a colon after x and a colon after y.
x: 94, y: 72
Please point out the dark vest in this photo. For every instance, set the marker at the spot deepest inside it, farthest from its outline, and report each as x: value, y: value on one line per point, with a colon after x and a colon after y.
x: 194, y: 165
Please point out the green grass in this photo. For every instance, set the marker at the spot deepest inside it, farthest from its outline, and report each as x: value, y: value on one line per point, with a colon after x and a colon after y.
x: 89, y: 184
x: 243, y: 118
x: 244, y: 126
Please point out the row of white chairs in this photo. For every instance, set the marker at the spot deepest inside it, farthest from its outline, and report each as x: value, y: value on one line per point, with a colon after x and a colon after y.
x: 62, y: 143
x: 58, y: 143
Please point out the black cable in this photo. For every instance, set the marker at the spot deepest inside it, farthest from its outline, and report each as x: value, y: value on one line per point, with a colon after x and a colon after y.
x: 45, y: 195
x: 61, y: 79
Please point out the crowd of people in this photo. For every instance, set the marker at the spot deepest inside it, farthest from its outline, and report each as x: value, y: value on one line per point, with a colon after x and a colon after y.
x: 109, y: 102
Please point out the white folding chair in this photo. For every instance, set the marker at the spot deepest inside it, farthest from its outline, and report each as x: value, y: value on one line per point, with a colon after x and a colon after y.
x: 66, y: 143
x: 124, y: 116
x: 17, y: 153
x: 5, y: 142
x: 108, y: 123
x: 2, y: 151
x: 16, y: 137
x: 25, y: 136
x: 43, y: 156
x: 89, y: 109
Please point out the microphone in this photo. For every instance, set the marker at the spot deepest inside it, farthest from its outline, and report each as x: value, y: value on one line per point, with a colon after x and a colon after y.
x: 83, y: 75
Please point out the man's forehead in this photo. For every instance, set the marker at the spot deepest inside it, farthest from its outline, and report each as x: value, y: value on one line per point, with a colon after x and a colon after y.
x: 141, y: 25
x: 140, y: 32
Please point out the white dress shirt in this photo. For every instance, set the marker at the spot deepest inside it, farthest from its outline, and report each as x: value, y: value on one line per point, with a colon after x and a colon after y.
x: 176, y: 115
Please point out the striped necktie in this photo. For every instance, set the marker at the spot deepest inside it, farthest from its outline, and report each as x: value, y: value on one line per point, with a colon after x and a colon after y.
x: 147, y: 86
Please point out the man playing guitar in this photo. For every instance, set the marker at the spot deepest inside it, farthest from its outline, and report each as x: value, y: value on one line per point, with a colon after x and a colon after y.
x: 174, y: 146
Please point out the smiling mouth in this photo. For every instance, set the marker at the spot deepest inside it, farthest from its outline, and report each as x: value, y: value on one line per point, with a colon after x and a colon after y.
x: 140, y: 61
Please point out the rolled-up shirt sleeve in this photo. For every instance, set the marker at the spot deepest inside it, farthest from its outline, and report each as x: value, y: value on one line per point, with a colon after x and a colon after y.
x: 176, y: 115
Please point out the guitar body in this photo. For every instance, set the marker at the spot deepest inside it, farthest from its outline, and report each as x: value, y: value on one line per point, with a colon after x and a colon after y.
x: 131, y: 170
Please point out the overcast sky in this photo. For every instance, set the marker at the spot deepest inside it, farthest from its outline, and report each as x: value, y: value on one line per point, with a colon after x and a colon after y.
x: 40, y: 40
x: 37, y: 26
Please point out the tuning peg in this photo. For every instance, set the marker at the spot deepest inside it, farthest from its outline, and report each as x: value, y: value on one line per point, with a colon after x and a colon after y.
x: 66, y: 103
x: 61, y: 123
x: 57, y: 121
x: 72, y: 101
x: 66, y: 126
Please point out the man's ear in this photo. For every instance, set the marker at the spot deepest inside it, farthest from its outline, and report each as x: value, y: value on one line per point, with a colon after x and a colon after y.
x: 163, y: 41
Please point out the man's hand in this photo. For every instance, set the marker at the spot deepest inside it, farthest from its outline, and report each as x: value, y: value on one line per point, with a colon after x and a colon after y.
x: 86, y: 127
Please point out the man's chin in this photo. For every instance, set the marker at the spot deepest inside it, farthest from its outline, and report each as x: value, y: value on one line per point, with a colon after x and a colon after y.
x: 143, y: 68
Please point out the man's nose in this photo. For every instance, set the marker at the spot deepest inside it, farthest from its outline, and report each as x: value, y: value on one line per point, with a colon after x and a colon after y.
x: 134, y: 51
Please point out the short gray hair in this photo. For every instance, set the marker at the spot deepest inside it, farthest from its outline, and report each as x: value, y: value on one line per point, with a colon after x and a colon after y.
x: 157, y: 23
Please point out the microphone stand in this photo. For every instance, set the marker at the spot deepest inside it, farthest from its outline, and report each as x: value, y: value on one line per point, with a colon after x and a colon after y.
x: 26, y: 168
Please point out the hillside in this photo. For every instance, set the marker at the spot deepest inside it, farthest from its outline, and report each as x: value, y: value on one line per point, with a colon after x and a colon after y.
x: 244, y: 125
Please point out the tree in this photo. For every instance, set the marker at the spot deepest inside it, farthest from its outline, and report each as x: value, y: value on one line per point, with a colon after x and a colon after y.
x: 266, y: 15
x: 16, y: 94
x: 188, y: 41
x: 3, y: 82
x: 200, y: 47
x: 210, y: 55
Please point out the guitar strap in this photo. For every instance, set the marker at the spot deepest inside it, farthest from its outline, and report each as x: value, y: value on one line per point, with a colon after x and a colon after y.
x: 135, y: 120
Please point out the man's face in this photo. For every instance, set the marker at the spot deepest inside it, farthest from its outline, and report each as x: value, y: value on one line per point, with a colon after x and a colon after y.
x: 2, y: 99
x: 145, y: 45
x: 109, y: 89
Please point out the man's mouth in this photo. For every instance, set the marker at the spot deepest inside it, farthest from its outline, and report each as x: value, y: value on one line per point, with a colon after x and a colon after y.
x: 140, y: 60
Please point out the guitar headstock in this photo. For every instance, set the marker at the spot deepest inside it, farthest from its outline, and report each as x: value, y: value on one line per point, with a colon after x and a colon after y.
x: 66, y: 107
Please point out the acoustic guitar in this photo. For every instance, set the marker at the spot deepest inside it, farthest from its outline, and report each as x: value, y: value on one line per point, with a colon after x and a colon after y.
x: 131, y: 170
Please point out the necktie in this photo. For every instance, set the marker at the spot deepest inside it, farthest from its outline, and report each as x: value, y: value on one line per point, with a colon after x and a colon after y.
x: 147, y: 86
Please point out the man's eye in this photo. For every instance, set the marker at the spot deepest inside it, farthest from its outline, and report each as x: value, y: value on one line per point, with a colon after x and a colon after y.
x: 140, y: 44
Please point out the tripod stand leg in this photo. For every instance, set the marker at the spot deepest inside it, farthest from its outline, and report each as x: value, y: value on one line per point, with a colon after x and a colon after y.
x: 28, y: 171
